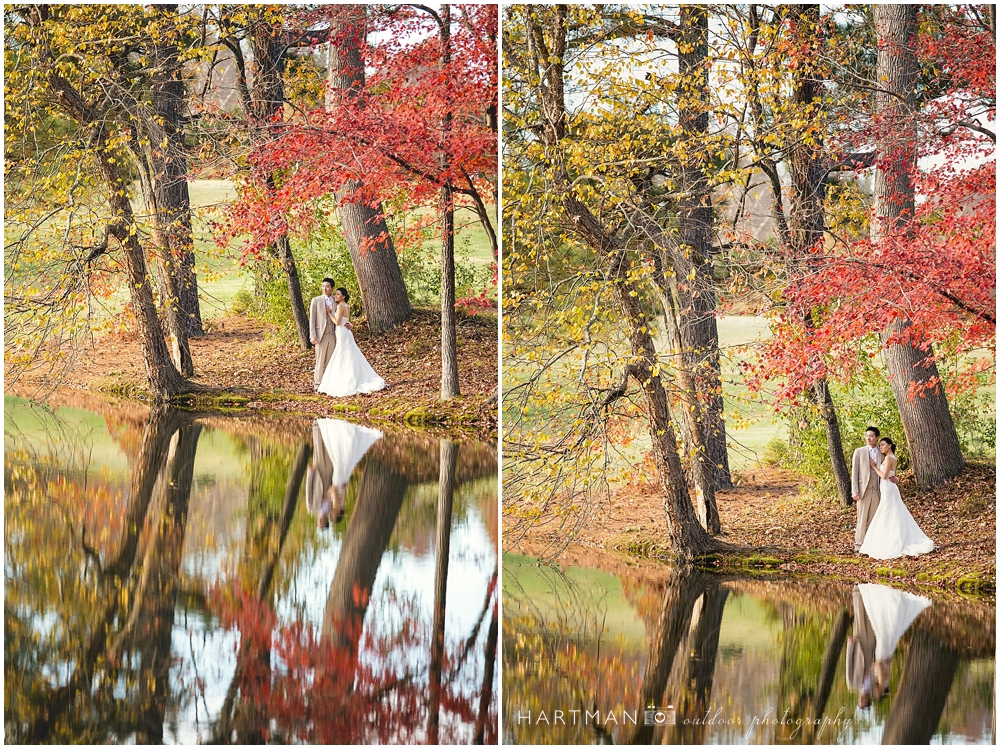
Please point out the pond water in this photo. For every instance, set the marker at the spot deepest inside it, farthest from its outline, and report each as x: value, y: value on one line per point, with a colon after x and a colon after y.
x: 179, y: 578
x: 723, y: 660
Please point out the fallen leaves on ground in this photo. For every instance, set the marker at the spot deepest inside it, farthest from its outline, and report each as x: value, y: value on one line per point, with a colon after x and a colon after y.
x: 772, y: 515
x: 237, y: 357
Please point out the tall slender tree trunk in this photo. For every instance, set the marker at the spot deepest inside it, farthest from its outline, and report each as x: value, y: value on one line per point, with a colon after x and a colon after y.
x: 449, y: 351
x: 383, y: 292
x: 173, y: 200
x: 446, y: 495
x: 694, y: 257
x: 805, y: 224
x: 920, y: 397
x: 267, y: 98
x: 688, y: 539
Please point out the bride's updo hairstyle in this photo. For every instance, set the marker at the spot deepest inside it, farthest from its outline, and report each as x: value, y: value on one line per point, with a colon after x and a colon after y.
x: 890, y: 443
x: 343, y: 292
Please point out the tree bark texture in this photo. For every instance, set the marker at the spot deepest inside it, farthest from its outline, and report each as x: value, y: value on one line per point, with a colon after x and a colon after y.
x: 173, y: 200
x: 446, y: 495
x: 449, y: 351
x: 688, y: 539
x: 693, y: 259
x: 805, y: 226
x: 267, y: 98
x: 693, y: 423
x: 383, y: 292
x: 930, y: 431
x: 164, y: 379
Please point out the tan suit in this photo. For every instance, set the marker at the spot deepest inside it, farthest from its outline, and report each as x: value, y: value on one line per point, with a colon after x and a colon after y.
x: 322, y: 329
x: 319, y: 477
x: 860, y: 646
x: 865, y: 483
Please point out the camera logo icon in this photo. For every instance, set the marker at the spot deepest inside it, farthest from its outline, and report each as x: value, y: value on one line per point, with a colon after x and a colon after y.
x: 660, y: 716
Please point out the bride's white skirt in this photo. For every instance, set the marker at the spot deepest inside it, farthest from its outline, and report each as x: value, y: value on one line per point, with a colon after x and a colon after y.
x: 893, y: 532
x: 348, y: 372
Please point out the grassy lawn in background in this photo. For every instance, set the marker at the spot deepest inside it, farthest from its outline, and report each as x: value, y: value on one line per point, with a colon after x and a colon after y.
x: 749, y: 425
x: 218, y: 268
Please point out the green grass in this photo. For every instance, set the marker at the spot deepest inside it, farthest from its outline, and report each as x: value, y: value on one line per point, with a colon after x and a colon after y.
x: 218, y: 268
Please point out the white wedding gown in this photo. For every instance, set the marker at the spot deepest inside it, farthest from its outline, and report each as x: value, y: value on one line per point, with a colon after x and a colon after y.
x: 893, y: 532
x: 348, y: 372
x: 891, y: 612
x: 346, y: 444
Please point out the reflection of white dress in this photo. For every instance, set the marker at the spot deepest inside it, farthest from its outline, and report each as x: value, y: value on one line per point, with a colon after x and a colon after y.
x: 346, y: 444
x: 348, y: 372
x: 891, y: 612
x: 893, y: 532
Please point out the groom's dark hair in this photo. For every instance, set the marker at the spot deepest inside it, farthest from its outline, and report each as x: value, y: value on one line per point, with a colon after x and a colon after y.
x: 873, y: 429
x: 327, y: 280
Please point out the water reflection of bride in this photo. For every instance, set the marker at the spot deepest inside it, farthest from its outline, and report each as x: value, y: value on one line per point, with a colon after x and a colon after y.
x: 338, y: 447
x: 881, y: 617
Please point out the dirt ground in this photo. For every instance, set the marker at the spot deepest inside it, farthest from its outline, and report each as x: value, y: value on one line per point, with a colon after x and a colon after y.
x: 239, y: 365
x: 785, y: 528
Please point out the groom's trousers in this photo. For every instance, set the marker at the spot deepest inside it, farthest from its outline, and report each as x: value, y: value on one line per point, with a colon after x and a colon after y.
x: 866, y: 511
x: 324, y: 350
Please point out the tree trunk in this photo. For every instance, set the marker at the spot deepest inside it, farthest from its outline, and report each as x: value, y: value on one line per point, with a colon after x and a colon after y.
x: 373, y: 255
x: 301, y: 317
x: 446, y: 495
x: 267, y: 98
x: 173, y: 201
x: 693, y: 423
x: 805, y: 226
x: 449, y: 351
x: 930, y: 431
x: 834, y: 441
x: 922, y: 693
x: 687, y: 537
x: 694, y: 258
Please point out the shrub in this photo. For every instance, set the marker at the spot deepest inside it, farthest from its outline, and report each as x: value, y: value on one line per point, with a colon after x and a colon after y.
x: 324, y: 253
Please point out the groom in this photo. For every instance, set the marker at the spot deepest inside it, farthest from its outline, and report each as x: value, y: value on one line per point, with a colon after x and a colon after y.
x: 322, y: 331
x: 865, y: 484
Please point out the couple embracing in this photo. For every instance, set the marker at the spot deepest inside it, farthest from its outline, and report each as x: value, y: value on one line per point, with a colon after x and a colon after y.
x: 885, y: 529
x: 341, y: 368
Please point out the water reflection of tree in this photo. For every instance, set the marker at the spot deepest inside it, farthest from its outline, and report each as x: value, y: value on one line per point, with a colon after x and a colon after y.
x: 334, y: 685
x: 115, y: 630
x: 550, y: 664
x: 89, y: 611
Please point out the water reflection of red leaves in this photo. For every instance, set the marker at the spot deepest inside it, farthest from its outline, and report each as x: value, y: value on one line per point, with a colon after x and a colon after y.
x: 299, y: 683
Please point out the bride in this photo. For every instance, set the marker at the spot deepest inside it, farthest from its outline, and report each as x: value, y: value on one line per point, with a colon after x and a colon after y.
x: 348, y: 372
x: 893, y: 531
